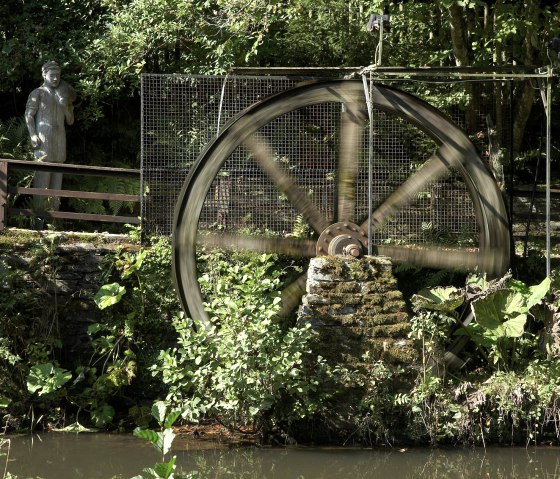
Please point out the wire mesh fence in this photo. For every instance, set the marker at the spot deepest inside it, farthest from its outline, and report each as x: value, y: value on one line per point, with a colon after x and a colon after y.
x: 181, y: 114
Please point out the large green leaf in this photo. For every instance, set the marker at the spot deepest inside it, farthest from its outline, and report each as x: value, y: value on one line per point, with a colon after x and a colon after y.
x: 102, y: 415
x: 502, y: 313
x: 46, y: 378
x: 167, y: 439
x: 151, y: 436
x: 160, y: 440
x: 134, y: 267
x: 538, y: 292
x: 477, y: 282
x: 514, y: 327
x: 108, y: 295
x: 171, y: 418
x: 165, y: 469
x: 159, y: 411
x: 438, y: 299
x: 532, y: 294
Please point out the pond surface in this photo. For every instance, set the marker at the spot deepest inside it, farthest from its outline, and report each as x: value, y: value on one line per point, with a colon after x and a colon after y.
x: 92, y: 456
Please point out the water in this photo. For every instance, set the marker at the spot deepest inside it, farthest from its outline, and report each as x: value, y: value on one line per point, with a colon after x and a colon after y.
x: 92, y: 456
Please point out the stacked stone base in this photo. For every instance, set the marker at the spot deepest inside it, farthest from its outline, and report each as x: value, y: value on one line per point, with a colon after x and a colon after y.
x: 360, y: 318
x: 356, y: 308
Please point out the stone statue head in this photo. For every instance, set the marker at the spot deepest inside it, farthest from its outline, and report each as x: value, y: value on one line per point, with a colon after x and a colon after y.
x: 51, y: 74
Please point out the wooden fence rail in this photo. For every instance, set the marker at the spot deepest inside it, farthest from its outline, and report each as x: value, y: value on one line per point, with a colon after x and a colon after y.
x: 6, y: 165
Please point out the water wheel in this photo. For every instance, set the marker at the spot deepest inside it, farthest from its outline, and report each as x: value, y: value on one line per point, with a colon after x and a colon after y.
x: 344, y: 227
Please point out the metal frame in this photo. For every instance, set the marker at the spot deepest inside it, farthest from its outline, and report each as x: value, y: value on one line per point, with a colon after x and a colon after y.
x: 377, y: 74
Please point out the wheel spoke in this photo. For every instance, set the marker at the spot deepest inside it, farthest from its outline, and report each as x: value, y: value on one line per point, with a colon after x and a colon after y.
x: 350, y: 139
x: 295, y: 247
x: 435, y: 168
x: 441, y: 258
x: 264, y: 155
x: 291, y: 295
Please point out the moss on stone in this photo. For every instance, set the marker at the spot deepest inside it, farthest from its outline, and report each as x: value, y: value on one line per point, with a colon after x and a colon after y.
x: 401, y: 355
x: 348, y: 287
x: 14, y: 237
x: 350, y: 299
x: 394, y: 306
x: 346, y: 268
x: 398, y: 330
x: 318, y: 287
x: 364, y: 313
x: 387, y: 318
x: 394, y: 294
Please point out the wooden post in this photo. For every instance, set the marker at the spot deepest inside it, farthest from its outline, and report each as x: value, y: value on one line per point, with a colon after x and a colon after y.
x: 3, y: 193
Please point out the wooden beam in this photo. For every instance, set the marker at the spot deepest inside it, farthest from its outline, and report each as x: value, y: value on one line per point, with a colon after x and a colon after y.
x: 75, y: 216
x: 73, y: 169
x: 86, y: 195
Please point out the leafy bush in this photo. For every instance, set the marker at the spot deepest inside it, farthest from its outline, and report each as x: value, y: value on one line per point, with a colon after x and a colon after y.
x: 248, y: 369
x: 500, y: 307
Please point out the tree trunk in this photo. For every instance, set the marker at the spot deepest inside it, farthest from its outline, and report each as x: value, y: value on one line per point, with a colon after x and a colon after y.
x: 524, y: 104
x: 527, y: 93
x: 459, y: 37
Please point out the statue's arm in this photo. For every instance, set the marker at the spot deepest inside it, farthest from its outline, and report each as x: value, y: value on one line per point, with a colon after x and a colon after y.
x: 30, y: 111
x: 67, y: 95
x: 69, y: 114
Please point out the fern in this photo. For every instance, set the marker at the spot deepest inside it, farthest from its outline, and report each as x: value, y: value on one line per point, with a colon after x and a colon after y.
x: 103, y: 185
x: 14, y: 139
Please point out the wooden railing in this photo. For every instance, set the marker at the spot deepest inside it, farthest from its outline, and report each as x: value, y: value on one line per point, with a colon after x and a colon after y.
x: 7, y: 165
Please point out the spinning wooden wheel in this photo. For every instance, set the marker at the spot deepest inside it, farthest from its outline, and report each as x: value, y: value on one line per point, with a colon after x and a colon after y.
x: 340, y: 231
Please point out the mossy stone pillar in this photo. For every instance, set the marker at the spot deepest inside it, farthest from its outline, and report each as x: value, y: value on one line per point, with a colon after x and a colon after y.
x: 361, y: 319
x: 355, y: 306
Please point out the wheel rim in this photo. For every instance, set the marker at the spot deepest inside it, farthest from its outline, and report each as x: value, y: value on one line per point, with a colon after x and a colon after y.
x: 454, y: 150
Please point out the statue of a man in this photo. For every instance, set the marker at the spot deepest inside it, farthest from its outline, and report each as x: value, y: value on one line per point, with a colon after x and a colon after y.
x: 48, y: 108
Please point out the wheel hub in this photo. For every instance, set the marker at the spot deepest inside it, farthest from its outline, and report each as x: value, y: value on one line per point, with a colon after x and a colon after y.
x: 342, y: 238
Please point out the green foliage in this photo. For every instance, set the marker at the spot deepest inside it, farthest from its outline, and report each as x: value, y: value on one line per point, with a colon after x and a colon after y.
x: 104, y: 45
x: 515, y: 399
x: 501, y: 318
x: 14, y: 139
x: 144, y: 288
x: 14, y: 144
x: 500, y: 308
x: 126, y: 342
x: 28, y: 330
x: 446, y: 300
x: 102, y: 185
x: 141, y: 416
x: 161, y: 440
x: 46, y: 378
x: 103, y: 415
x: 247, y: 368
x: 111, y: 369
x: 108, y: 295
x: 123, y: 343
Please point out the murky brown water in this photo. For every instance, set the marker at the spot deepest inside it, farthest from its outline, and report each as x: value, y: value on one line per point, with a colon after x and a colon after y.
x: 92, y: 456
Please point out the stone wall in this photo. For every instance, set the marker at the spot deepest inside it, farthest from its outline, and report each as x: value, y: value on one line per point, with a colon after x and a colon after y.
x: 62, y: 273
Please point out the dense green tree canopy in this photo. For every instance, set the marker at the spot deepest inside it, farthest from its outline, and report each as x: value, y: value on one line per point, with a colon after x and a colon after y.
x: 104, y: 45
